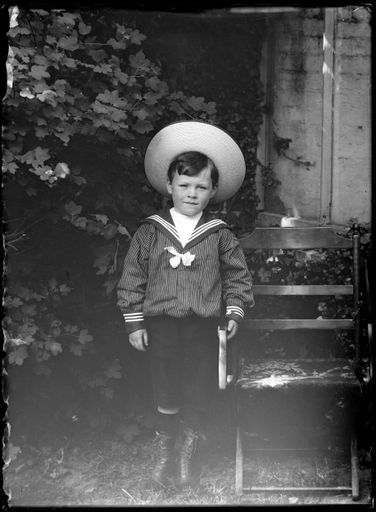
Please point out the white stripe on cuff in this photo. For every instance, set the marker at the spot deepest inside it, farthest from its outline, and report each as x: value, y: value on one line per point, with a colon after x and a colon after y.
x: 235, y: 309
x: 133, y: 317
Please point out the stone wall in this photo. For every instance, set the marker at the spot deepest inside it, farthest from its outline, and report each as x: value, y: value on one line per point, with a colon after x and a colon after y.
x: 351, y: 196
x: 297, y: 111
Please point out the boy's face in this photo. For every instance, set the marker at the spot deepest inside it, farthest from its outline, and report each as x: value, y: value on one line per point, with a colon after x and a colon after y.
x: 191, y: 194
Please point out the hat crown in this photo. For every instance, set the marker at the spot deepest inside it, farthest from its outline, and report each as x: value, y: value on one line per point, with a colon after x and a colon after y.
x: 183, y: 136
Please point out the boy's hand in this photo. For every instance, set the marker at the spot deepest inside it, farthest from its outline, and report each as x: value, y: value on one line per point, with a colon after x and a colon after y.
x: 139, y: 339
x: 232, y: 328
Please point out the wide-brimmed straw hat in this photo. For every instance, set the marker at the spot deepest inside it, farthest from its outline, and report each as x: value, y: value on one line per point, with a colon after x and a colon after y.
x: 184, y: 136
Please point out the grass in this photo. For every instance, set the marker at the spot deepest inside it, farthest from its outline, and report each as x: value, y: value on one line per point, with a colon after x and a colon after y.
x: 102, y: 472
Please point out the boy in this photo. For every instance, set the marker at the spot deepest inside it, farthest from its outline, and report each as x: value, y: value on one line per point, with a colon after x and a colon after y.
x: 181, y: 267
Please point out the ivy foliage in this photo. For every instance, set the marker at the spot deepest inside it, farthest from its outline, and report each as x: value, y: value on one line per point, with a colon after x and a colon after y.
x: 83, y: 101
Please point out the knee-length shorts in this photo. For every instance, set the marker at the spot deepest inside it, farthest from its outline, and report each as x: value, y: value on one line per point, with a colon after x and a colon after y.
x: 184, y: 360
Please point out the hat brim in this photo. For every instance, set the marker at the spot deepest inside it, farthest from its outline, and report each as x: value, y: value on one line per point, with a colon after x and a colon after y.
x: 184, y: 136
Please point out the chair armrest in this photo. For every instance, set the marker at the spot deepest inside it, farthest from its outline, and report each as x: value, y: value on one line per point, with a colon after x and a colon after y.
x: 222, y: 359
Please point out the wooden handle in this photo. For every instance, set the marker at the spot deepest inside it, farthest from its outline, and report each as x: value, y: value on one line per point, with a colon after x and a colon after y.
x: 222, y: 369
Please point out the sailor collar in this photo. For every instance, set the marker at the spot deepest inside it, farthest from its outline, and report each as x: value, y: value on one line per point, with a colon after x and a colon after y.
x: 205, y: 226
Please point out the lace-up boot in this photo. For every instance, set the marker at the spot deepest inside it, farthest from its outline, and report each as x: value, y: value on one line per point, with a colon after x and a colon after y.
x: 164, y: 458
x: 188, y: 459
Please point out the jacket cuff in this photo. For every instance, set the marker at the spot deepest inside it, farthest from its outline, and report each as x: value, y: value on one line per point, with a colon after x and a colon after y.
x: 134, y: 321
x: 235, y: 313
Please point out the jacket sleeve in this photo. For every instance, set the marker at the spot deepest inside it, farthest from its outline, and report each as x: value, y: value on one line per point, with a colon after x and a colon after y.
x: 236, y: 277
x: 132, y: 284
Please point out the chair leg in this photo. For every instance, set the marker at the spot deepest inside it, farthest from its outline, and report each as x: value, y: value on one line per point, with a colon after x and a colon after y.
x: 354, y: 467
x: 239, y: 462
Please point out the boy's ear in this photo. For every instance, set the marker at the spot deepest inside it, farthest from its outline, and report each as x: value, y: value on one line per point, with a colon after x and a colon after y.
x: 213, y: 192
x: 168, y: 186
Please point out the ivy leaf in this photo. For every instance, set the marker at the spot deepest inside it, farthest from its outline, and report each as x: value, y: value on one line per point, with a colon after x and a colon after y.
x: 41, y: 132
x: 70, y: 42
x: 84, y: 337
x: 61, y: 170
x: 122, y: 77
x: 211, y: 108
x: 80, y: 222
x: 68, y: 18
x: 10, y: 167
x: 176, y: 107
x: 64, y: 136
x: 139, y: 60
x: 101, y: 218
x: 123, y: 230
x: 78, y: 180
x: 97, y: 55
x: 153, y: 83
x: 41, y: 60
x: 35, y: 157
x: 151, y: 98
x: 72, y: 208
x: 196, y: 103
x: 18, y: 355
x: 117, y: 45
x: 52, y: 41
x: 76, y: 349
x: 26, y: 93
x: 48, y: 96
x: 137, y: 37
x: 69, y: 62
x: 12, y: 452
x: 54, y: 347
x: 103, y: 68
x: 114, y: 370
x: 70, y: 329
x: 39, y: 72
x: 142, y: 114
x: 84, y: 29
x: 143, y: 126
x: 64, y: 289
x: 13, y: 302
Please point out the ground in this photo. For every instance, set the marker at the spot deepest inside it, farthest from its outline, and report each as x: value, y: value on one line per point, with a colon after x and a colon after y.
x: 98, y: 470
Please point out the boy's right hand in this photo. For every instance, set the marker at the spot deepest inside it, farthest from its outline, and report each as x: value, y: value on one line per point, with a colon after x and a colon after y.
x: 139, y: 339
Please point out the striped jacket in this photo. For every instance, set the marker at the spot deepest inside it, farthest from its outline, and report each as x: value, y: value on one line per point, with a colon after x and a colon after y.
x: 160, y: 277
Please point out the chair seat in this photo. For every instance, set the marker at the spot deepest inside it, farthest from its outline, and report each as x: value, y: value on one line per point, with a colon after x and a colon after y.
x: 287, y: 373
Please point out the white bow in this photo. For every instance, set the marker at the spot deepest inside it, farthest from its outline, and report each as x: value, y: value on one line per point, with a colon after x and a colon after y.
x: 186, y: 258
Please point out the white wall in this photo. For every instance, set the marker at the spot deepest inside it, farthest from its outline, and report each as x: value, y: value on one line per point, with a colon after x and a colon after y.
x: 351, y: 195
x: 340, y: 176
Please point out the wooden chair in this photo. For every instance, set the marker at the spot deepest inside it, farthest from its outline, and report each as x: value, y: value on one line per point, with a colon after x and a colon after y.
x: 304, y: 373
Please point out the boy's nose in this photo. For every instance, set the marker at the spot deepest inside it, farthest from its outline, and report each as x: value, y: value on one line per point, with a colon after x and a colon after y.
x: 192, y: 192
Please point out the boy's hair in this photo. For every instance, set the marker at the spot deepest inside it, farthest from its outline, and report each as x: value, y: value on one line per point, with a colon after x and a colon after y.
x: 192, y: 163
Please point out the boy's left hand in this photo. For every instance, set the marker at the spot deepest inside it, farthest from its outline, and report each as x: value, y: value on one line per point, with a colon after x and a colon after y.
x: 232, y: 328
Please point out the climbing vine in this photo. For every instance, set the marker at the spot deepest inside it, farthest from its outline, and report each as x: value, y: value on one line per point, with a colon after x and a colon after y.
x: 82, y: 102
